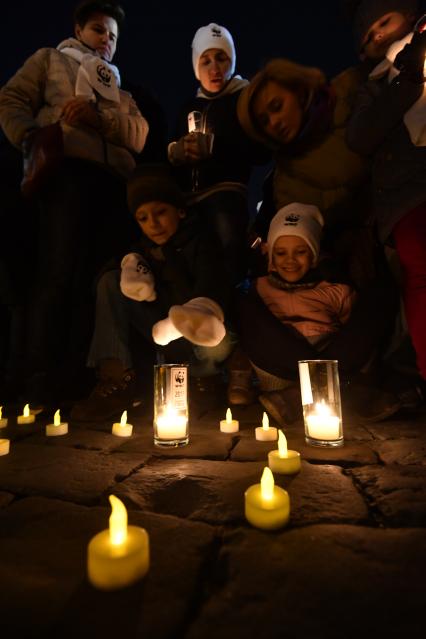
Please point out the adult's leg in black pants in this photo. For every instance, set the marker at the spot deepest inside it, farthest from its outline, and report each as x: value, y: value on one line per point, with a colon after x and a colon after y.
x: 83, y: 222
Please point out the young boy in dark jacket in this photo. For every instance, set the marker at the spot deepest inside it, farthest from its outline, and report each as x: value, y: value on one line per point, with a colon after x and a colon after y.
x: 379, y: 127
x: 172, y: 289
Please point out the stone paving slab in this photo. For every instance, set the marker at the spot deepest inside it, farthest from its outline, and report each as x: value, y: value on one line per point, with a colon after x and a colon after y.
x: 325, y: 582
x: 402, y: 451
x: 248, y: 449
x: 74, y: 475
x: 397, y: 493
x: 213, y: 492
x: 43, y: 569
x: 203, y: 444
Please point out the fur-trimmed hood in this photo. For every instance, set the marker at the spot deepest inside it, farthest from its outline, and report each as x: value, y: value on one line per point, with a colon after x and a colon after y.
x: 282, y: 72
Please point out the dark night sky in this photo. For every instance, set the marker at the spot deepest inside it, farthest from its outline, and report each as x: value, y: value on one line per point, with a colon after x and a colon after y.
x: 154, y: 48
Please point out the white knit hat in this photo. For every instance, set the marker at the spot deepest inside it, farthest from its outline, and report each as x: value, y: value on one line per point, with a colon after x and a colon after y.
x: 303, y: 220
x: 213, y: 36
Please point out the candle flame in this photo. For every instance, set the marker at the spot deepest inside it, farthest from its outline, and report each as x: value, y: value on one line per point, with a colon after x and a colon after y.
x: 265, y: 422
x: 117, y: 521
x: 282, y: 445
x: 322, y: 409
x: 228, y: 416
x: 26, y: 412
x: 1, y: 409
x: 123, y: 420
x: 57, y: 418
x: 267, y: 484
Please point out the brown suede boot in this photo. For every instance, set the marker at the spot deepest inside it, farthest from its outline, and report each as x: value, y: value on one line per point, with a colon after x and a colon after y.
x: 240, y: 379
x: 114, y: 393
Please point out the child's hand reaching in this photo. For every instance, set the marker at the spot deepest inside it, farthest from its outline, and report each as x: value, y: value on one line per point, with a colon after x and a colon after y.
x: 137, y: 280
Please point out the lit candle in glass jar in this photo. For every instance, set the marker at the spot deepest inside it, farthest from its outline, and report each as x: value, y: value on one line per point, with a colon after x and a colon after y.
x: 322, y: 424
x: 171, y: 425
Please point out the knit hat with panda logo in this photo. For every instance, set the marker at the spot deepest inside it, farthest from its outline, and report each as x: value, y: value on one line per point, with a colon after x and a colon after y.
x: 213, y: 36
x: 303, y: 220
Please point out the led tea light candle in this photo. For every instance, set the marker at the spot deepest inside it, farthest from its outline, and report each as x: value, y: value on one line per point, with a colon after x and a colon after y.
x: 267, y: 506
x: 122, y: 428
x: 119, y: 556
x: 3, y: 420
x: 284, y: 461
x: 4, y: 446
x: 26, y: 417
x: 322, y: 424
x: 320, y: 390
x: 229, y: 425
x: 58, y: 427
x: 266, y: 433
x: 170, y: 405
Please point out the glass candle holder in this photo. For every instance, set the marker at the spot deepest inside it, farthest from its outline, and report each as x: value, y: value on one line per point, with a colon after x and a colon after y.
x: 322, y: 412
x: 171, y: 405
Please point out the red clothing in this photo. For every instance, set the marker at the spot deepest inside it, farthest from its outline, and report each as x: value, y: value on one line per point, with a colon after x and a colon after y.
x: 410, y: 241
x: 314, y: 312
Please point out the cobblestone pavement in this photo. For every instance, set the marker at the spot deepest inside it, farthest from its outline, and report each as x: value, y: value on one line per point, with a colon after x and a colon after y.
x: 351, y: 562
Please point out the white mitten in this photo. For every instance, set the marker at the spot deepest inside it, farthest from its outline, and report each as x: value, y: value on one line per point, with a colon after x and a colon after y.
x: 137, y: 280
x: 200, y: 321
x: 164, y: 332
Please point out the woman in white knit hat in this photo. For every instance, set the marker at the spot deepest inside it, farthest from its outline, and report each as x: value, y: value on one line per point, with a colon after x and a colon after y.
x: 212, y: 154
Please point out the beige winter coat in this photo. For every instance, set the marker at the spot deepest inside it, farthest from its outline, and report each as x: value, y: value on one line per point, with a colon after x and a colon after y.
x: 36, y: 94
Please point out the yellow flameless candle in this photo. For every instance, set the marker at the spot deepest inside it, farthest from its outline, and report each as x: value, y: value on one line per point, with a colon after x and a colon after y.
x: 26, y: 417
x: 267, y: 506
x: 322, y: 424
x: 4, y: 446
x: 119, y: 556
x: 284, y: 461
x: 266, y: 433
x: 229, y: 425
x: 3, y: 420
x: 122, y: 428
x: 58, y: 427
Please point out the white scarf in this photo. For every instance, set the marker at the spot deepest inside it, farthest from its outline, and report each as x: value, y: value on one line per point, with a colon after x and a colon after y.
x: 235, y: 84
x: 95, y: 75
x: 415, y: 117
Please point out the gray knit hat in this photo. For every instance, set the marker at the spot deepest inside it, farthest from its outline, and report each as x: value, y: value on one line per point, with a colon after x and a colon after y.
x: 368, y: 11
x: 153, y: 183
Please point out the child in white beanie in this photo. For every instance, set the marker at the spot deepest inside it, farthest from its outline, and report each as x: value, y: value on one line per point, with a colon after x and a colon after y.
x: 298, y: 312
x: 172, y: 289
x: 291, y: 290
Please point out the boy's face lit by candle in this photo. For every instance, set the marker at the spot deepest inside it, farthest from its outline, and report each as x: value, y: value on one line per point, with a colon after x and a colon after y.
x: 291, y: 258
x: 159, y: 221
x: 382, y: 33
